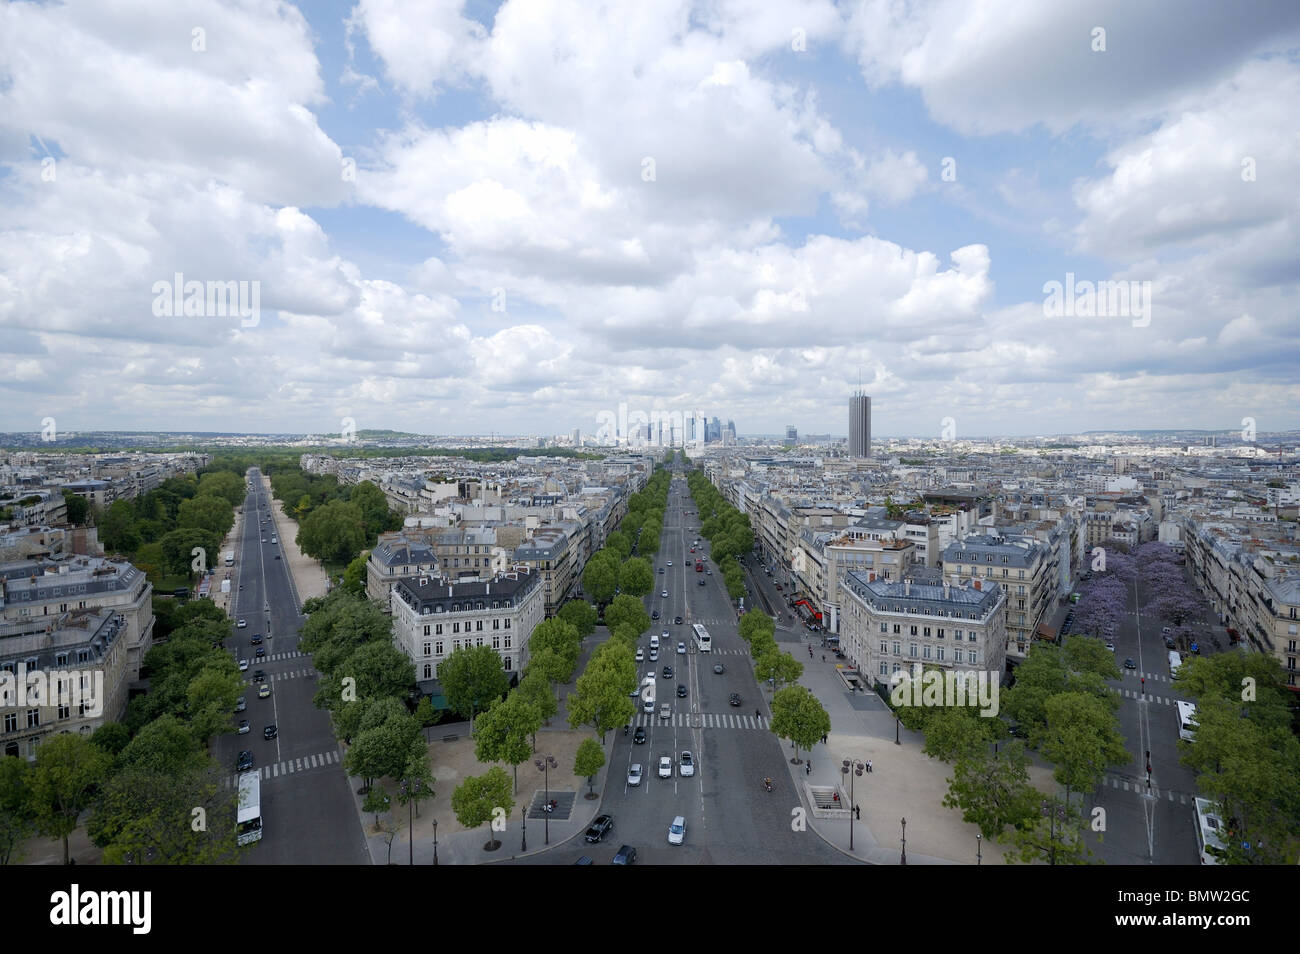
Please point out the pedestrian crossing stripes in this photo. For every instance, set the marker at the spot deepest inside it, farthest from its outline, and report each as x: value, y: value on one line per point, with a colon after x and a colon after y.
x: 289, y: 767
x: 708, y: 720
x: 1137, y: 694
x: 276, y: 657
x: 1140, y: 788
x: 282, y: 676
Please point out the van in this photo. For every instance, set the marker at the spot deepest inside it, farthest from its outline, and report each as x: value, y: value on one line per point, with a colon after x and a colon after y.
x: 1175, y: 661
x: 654, y: 643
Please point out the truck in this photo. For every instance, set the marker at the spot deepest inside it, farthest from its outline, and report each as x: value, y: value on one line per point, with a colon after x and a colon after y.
x: 225, y: 586
x: 230, y: 558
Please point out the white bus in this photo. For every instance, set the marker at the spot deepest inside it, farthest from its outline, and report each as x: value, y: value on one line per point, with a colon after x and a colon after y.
x: 703, y: 642
x: 1208, y: 828
x: 248, y: 821
x: 1186, y: 721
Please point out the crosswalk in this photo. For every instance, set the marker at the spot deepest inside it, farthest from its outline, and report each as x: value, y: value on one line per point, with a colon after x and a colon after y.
x: 289, y: 767
x: 1140, y: 788
x: 1150, y: 697
x: 282, y: 676
x: 276, y: 657
x: 708, y: 720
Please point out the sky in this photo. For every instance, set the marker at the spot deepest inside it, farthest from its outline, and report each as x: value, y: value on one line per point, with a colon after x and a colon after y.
x: 529, y: 217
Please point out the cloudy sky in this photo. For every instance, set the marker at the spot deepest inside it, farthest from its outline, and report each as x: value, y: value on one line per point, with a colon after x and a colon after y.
x: 464, y: 217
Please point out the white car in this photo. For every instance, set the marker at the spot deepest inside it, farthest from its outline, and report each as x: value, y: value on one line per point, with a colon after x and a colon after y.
x: 681, y: 649
x: 665, y: 767
x: 677, y: 831
x: 241, y: 624
x: 664, y: 594
x: 640, y: 655
x: 686, y: 765
x: 634, y: 774
x: 648, y: 707
x: 654, y: 655
x: 243, y: 665
x: 664, y: 637
x: 670, y: 562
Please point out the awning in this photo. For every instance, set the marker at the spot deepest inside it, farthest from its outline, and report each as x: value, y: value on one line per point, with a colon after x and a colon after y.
x: 1045, y: 632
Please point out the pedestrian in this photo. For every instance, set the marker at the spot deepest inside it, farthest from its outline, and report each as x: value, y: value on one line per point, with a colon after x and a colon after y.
x: 807, y: 769
x: 857, y: 812
x: 823, y: 657
x: 868, y: 765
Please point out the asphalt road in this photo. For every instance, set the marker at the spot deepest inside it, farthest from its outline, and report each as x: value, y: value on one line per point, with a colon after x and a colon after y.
x: 730, y: 818
x: 308, y: 813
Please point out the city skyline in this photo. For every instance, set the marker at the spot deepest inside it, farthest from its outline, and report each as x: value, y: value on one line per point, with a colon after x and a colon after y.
x: 530, y: 213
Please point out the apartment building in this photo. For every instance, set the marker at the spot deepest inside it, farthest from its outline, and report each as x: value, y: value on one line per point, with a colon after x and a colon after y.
x: 888, y: 626
x: 1022, y: 566
x: 70, y: 676
x: 433, y: 617
x: 873, y: 557
x: 397, y: 556
x: 549, y: 556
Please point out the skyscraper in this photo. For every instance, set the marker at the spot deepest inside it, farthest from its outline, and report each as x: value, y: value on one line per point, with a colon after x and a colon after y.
x: 791, y: 435
x: 859, y: 425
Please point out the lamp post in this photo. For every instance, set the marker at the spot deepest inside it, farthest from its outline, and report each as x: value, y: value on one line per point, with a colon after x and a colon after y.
x: 414, y: 786
x: 523, y: 813
x: 904, y: 841
x: 853, y: 768
x: 896, y: 741
x: 979, y: 844
x: 435, y: 841
x: 544, y: 765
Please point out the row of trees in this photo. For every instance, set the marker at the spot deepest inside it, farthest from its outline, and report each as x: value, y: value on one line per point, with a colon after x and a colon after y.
x: 1067, y: 712
x: 150, y: 782
x: 617, y: 568
x: 726, y: 528
x: 1152, y: 569
x: 335, y: 522
x: 797, y: 715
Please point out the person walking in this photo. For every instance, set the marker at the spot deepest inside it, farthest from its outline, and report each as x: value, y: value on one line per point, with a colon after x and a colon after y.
x: 823, y: 657
x: 857, y: 812
x: 807, y: 769
x: 868, y: 765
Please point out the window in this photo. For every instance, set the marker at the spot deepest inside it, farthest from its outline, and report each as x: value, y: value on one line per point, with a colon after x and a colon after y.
x: 884, y: 648
x: 455, y: 627
x: 437, y: 631
x: 1022, y: 574
x: 507, y: 664
x: 972, y: 657
x: 927, y: 652
x: 927, y: 630
x: 939, y: 633
x: 426, y: 632
x: 496, y: 624
x: 897, y: 630
x: 478, y: 642
x: 898, y: 650
x: 507, y: 643
x: 911, y: 650
x: 65, y: 712
x: 913, y: 628
x: 1004, y: 559
x: 11, y: 721
x: 428, y: 671
x: 507, y: 622
x: 884, y: 669
x: 884, y: 627
x: 479, y: 626
x: 971, y: 636
x: 33, y: 718
x: 427, y: 648
x: 437, y: 648
x: 938, y: 653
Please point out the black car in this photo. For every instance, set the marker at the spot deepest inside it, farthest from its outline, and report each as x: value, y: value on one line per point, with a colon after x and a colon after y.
x: 638, y: 737
x: 259, y: 653
x: 626, y: 856
x: 601, y: 827
x: 259, y: 675
x: 734, y: 698
x: 257, y: 639
x: 245, y: 761
x: 701, y: 581
x: 668, y: 672
x: 678, y: 621
x: 654, y: 615
x: 270, y: 732
x: 681, y: 691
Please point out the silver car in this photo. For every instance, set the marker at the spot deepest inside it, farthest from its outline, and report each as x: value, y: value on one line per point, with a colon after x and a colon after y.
x: 686, y: 765
x: 634, y: 774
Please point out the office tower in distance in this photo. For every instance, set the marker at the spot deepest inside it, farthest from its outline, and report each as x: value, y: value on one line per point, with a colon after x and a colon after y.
x: 791, y: 435
x: 859, y: 425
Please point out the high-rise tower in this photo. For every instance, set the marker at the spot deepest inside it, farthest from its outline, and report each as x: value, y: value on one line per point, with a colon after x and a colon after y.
x: 859, y: 425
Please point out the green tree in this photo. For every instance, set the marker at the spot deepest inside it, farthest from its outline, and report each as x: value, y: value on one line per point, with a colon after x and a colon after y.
x: 416, y: 783
x: 382, y: 750
x: 333, y: 533
x: 600, y: 696
x: 589, y: 760
x: 473, y: 678
x: 376, y: 801
x: 373, y: 506
x: 78, y: 508
x: 620, y: 544
x: 224, y: 484
x: 635, y: 577
x: 797, y: 715
x: 992, y: 790
x: 627, y: 610
x: 1052, y: 833
x: 117, y: 530
x: 111, y: 737
x: 178, y: 550
x: 600, y: 577
x: 547, y: 664
x: 535, y: 689
x: 17, y: 819
x: 501, y: 734
x: 68, y: 772
x: 581, y: 615
x: 214, y: 514
x: 354, y: 577
x: 561, y: 639
x: 781, y: 667
x: 478, y: 800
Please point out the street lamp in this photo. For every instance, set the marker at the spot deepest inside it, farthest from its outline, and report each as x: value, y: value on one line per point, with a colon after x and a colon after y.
x: 979, y: 843
x: 544, y: 765
x: 1053, y: 812
x: 896, y: 741
x: 853, y: 768
x: 904, y: 841
x: 523, y: 813
x: 415, y: 785
x: 435, y: 841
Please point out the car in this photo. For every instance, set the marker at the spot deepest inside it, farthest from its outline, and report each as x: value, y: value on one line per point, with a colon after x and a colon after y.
x: 665, y: 766
x: 686, y: 764
x: 277, y: 556
x: 243, y: 727
x: 664, y: 636
x: 264, y: 691
x: 677, y: 831
x: 681, y: 649
x: 257, y: 639
x: 678, y: 621
x: 638, y: 737
x: 661, y: 569
x: 708, y: 572
x: 241, y: 624
x: 664, y: 594
x: 1129, y: 663
x: 243, y: 665
x: 648, y: 706
x: 654, y: 654
x: 259, y: 676
x: 666, y: 711
x: 640, y: 654
x: 718, y: 668
x: 1169, y: 643
x: 701, y: 581
x: 601, y: 827
x: 245, y: 761
x: 681, y: 691
x: 670, y: 562
x: 634, y: 773
x: 692, y: 549
x: 734, y: 698
x: 270, y: 732
x: 1110, y: 645
x: 654, y: 614
x: 1166, y: 631
x: 625, y: 855
x: 241, y: 704
x: 259, y: 653
x: 668, y: 672
x: 264, y: 539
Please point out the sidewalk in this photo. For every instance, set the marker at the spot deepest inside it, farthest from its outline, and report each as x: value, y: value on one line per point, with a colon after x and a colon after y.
x: 903, y: 783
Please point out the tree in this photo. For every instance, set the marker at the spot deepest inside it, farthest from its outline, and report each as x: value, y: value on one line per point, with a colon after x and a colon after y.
x: 581, y: 615
x: 600, y: 577
x: 111, y: 737
x: 17, y: 820
x: 501, y: 733
x: 620, y: 544
x: 589, y: 760
x: 600, y: 696
x: 627, y: 610
x: 117, y: 530
x: 1082, y: 738
x: 1053, y: 833
x: 549, y: 666
x: 535, y: 689
x: 781, y: 667
x: 224, y: 484
x: 797, y: 715
x: 354, y: 577
x: 213, y: 514
x: 561, y: 639
x: 377, y: 668
x: 416, y: 783
x: 68, y: 771
x: 472, y: 678
x: 479, y: 800
x: 377, y: 801
x: 178, y: 550
x: 992, y: 790
x: 78, y: 508
x: 383, y: 750
x: 373, y: 507
x: 333, y: 533
x: 635, y: 577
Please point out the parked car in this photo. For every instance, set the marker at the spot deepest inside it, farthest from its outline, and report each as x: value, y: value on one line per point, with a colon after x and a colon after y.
x: 241, y: 704
x: 243, y: 727
x: 634, y: 774
x: 601, y: 827
x: 626, y: 855
x: 677, y: 831
x: 1110, y: 645
x: 640, y: 654
x: 686, y: 764
x: 638, y: 737
x: 665, y: 766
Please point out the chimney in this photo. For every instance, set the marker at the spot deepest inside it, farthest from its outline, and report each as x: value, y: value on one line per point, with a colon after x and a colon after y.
x: 947, y: 589
x: 907, y: 587
x: 979, y: 585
